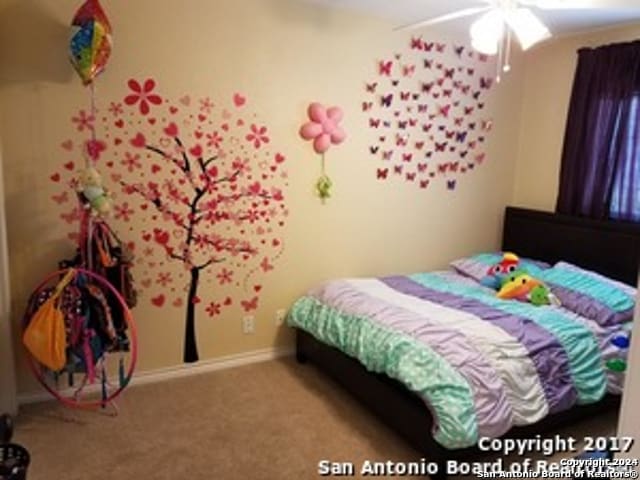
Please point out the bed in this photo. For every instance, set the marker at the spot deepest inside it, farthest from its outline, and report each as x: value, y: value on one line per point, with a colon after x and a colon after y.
x: 609, y: 248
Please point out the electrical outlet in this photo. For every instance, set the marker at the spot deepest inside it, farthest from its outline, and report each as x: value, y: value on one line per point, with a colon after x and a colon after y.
x: 248, y: 324
x: 281, y: 314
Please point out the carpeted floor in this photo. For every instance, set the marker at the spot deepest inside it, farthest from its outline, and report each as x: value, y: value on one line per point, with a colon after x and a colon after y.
x: 273, y: 420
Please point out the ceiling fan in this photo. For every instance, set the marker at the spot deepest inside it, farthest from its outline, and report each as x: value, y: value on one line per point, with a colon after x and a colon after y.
x: 491, y: 32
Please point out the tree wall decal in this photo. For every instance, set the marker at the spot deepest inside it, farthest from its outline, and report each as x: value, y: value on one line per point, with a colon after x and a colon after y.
x: 202, y: 188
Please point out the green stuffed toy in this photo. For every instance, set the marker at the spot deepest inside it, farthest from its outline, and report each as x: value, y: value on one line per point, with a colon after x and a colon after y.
x: 541, y: 295
x: 323, y: 187
x: 96, y: 197
x: 522, y: 286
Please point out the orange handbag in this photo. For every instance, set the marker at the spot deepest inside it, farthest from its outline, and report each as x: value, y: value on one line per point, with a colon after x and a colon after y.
x: 45, y: 336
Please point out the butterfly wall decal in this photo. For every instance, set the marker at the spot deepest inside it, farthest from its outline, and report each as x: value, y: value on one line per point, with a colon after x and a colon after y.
x: 485, y: 82
x: 265, y: 265
x: 439, y: 87
x: 408, y: 70
x: 384, y: 67
x: 249, y: 305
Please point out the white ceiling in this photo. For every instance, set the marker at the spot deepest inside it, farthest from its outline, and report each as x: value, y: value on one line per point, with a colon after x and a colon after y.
x: 593, y: 14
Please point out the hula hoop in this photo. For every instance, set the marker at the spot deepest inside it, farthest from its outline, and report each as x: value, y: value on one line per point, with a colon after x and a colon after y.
x: 133, y: 337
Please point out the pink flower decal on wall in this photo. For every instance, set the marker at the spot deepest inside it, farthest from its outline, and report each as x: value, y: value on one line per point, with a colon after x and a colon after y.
x: 83, y: 121
x: 257, y: 135
x: 116, y: 109
x: 143, y: 95
x: 324, y: 129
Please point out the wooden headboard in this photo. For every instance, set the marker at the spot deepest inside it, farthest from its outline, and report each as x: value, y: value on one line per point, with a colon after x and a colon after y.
x: 610, y: 248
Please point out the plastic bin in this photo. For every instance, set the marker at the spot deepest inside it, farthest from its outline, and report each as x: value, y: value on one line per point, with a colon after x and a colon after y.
x: 14, y: 459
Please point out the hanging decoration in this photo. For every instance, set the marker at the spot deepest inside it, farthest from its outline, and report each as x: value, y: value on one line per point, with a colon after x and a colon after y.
x: 97, y: 198
x: 91, y: 42
x: 97, y: 322
x: 80, y: 315
x: 324, y: 129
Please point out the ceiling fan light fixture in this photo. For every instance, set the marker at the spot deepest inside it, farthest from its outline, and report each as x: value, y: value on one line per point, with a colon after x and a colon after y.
x: 527, y: 27
x: 487, y: 46
x: 487, y: 31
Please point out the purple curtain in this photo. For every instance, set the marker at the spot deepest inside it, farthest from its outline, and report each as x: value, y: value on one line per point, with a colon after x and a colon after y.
x: 600, y: 170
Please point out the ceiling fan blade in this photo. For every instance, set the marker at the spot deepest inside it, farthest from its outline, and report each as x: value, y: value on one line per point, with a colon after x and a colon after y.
x: 561, y: 4
x: 444, y: 18
x: 527, y: 27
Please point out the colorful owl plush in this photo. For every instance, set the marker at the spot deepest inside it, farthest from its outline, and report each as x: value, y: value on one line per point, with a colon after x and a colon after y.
x: 497, y: 273
x: 522, y: 286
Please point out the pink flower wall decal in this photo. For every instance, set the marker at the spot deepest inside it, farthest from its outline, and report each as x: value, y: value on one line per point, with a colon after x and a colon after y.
x: 83, y: 121
x: 257, y: 135
x: 143, y: 94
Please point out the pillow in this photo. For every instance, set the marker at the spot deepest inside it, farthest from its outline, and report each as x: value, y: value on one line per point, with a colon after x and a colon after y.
x: 477, y: 266
x: 628, y: 289
x: 590, y: 294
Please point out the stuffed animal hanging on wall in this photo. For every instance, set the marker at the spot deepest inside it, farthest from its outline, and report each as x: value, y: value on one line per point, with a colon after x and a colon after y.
x: 93, y: 194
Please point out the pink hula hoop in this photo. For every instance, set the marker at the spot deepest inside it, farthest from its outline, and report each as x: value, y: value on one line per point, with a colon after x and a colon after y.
x: 133, y: 336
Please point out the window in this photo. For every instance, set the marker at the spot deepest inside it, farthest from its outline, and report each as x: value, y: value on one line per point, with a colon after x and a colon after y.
x: 625, y: 199
x: 600, y: 170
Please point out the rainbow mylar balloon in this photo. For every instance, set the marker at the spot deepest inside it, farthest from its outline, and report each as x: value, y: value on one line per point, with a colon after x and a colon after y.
x: 91, y: 42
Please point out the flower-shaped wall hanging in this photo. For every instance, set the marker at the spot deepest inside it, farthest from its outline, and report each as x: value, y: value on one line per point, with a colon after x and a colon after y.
x: 324, y: 129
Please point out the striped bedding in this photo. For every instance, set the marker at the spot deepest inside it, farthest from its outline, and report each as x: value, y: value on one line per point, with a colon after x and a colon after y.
x: 481, y: 364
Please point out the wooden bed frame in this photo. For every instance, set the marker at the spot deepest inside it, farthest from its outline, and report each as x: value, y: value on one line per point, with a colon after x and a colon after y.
x: 611, y: 248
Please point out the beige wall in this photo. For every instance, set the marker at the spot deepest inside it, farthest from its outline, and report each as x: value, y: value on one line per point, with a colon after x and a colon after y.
x: 282, y: 54
x: 8, y: 402
x: 548, y: 78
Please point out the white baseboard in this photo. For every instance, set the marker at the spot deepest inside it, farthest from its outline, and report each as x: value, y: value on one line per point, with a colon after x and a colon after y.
x: 178, y: 371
